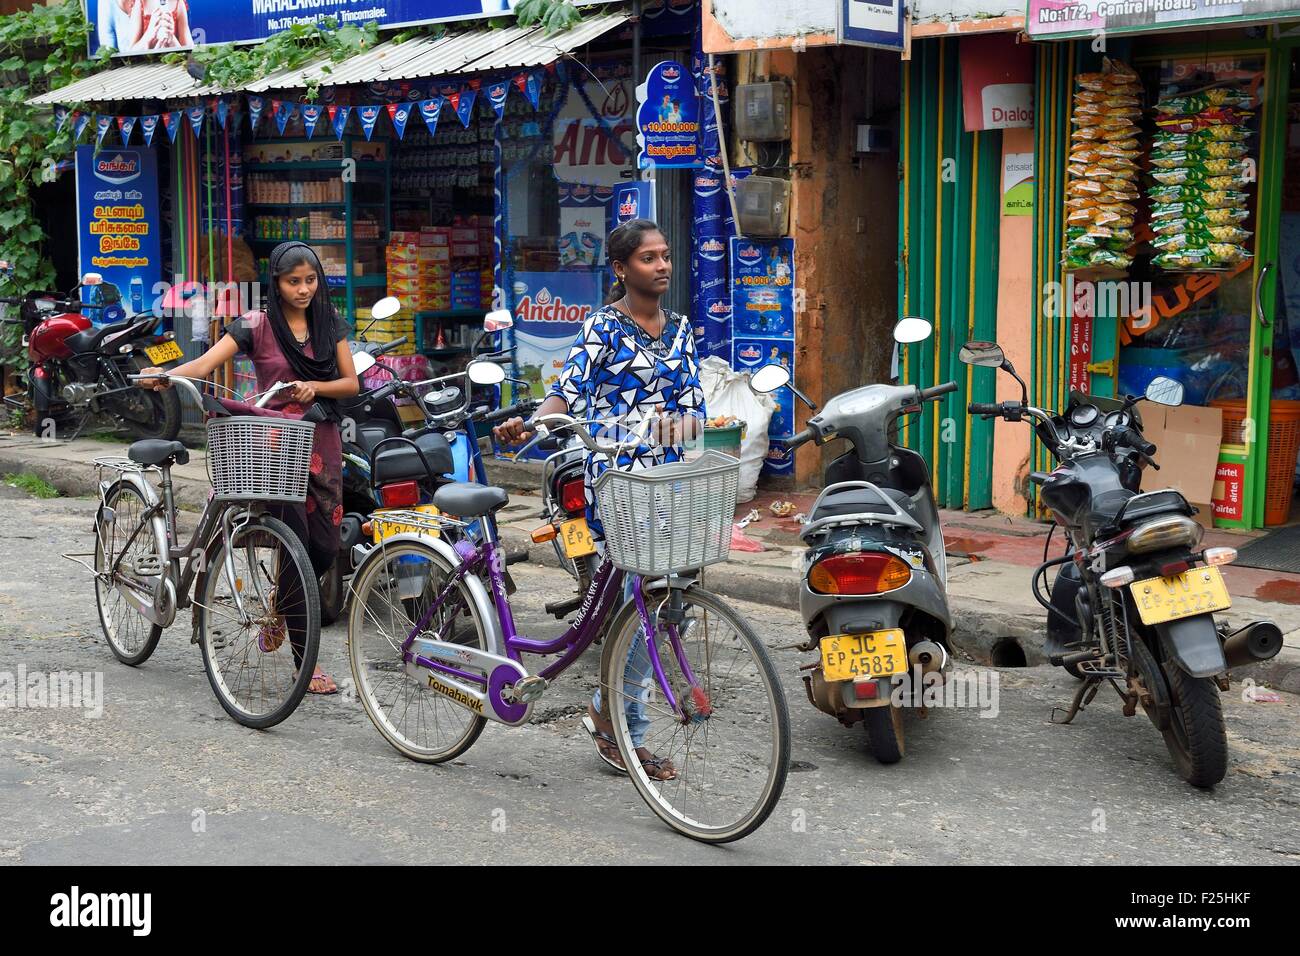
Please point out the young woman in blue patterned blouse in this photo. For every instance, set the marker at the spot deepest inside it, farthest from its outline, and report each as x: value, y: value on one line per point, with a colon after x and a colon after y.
x: 632, y: 359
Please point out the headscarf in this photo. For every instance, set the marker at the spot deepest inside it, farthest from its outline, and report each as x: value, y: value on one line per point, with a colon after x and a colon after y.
x: 322, y: 322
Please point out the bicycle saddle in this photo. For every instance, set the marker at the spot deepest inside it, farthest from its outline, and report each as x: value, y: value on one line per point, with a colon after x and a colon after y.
x: 156, y: 451
x: 466, y: 499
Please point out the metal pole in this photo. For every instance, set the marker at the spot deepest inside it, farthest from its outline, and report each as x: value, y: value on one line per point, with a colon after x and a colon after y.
x: 636, y: 71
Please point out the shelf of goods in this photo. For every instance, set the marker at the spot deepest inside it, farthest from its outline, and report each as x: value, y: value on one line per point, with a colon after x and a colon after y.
x: 297, y: 191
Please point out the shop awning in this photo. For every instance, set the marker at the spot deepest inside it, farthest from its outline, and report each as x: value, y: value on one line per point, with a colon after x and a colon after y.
x: 147, y: 81
x: 474, y: 51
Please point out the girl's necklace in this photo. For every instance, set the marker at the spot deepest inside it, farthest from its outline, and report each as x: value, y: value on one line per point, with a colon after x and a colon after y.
x: 627, y: 309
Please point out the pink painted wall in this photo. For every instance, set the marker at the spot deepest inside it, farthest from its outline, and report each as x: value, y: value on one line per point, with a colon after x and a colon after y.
x: 1011, y: 441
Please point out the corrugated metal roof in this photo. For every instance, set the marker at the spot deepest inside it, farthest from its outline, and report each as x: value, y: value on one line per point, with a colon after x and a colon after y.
x: 474, y: 51
x: 147, y: 81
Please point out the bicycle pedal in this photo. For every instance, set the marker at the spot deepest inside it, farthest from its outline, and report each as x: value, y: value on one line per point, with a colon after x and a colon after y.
x: 529, y: 689
x: 148, y: 567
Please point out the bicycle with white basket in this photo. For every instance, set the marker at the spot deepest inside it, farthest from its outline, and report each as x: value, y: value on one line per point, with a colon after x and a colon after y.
x: 435, y: 653
x: 256, y: 605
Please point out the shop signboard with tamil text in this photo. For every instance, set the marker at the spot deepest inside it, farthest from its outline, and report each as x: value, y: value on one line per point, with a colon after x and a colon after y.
x: 184, y: 24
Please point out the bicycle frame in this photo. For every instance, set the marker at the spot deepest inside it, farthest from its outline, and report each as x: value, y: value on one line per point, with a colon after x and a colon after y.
x: 598, y: 603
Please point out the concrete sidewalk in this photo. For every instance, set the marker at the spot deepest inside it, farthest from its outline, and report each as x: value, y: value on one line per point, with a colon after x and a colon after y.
x: 991, y: 557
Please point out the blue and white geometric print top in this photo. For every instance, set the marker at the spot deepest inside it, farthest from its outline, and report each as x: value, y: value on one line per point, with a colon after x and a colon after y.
x: 616, y: 368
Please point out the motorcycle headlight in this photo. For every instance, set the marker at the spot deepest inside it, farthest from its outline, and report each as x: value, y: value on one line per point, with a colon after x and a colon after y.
x: 1169, y: 532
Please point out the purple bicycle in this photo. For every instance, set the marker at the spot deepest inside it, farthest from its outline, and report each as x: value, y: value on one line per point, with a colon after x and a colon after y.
x: 435, y: 652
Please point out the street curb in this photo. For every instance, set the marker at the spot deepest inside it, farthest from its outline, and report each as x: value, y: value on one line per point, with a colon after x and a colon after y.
x: 981, y: 629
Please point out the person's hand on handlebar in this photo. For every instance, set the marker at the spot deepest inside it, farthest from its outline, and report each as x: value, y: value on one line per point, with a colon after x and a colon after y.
x: 512, y: 431
x: 156, y: 384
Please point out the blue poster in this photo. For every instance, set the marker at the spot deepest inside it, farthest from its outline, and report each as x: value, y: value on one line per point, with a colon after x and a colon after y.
x: 549, y: 309
x: 180, y: 24
x: 753, y: 354
x: 762, y: 286
x: 118, y: 221
x: 668, y: 118
x: 634, y: 201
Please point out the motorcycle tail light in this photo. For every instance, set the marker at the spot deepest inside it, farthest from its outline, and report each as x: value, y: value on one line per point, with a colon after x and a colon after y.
x: 1213, y: 556
x: 869, y: 572
x: 1118, y: 577
x: 1168, y: 532
x: 573, y: 497
x: 400, y: 494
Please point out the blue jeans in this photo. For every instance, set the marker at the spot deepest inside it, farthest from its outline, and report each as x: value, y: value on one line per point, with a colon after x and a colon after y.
x: 638, y: 680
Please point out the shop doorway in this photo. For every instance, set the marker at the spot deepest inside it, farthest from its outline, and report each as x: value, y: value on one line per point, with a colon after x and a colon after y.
x: 1223, y: 326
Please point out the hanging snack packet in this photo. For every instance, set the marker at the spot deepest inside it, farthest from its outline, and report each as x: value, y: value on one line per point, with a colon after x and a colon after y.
x: 1227, y: 253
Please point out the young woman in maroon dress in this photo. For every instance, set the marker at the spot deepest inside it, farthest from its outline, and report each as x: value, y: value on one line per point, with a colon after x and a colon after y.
x: 298, y: 339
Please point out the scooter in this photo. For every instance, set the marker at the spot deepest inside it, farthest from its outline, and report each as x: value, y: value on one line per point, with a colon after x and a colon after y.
x: 874, y: 597
x: 1133, y: 605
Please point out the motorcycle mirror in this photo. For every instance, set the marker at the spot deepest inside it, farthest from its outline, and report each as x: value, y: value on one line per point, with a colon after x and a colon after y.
x: 498, y: 320
x: 363, y: 362
x: 912, y: 328
x: 984, y: 354
x: 486, y: 373
x: 769, y: 378
x: 1165, y: 391
x: 386, y: 308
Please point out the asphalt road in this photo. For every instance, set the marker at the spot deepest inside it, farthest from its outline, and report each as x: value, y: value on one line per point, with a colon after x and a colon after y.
x: 164, y: 776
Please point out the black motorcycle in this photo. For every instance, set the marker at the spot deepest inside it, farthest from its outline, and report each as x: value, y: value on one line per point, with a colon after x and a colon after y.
x: 1134, y: 602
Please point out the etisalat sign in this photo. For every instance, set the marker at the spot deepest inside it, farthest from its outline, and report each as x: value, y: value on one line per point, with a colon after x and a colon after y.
x: 1063, y: 19
x: 163, y: 25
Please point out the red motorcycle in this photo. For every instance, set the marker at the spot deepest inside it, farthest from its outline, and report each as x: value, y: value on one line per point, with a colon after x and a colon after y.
x: 78, y: 369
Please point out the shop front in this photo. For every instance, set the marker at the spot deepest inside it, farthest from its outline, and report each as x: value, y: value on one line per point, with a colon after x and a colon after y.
x: 475, y: 170
x: 1167, y: 239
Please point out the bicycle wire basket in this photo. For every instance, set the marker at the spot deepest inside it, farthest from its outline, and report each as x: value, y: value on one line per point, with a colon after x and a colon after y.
x: 256, y: 458
x: 669, y: 518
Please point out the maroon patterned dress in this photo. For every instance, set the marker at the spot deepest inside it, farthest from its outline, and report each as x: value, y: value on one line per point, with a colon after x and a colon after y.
x: 317, y: 521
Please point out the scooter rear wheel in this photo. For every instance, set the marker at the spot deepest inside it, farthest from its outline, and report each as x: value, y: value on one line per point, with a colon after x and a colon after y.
x: 885, y: 733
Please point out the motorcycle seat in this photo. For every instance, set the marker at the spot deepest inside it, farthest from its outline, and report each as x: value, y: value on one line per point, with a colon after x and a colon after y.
x: 399, y: 461
x: 466, y: 499
x: 850, y: 501
x: 156, y: 451
x: 1116, y: 510
x: 372, y: 433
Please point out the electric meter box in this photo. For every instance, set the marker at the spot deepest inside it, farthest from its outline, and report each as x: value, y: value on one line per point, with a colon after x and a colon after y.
x: 763, y: 206
x: 763, y: 112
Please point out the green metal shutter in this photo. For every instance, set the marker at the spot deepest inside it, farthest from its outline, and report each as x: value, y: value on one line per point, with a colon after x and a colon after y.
x: 949, y: 219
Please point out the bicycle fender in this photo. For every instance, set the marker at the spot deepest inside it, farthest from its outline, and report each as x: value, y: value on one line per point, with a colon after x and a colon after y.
x: 478, y: 593
x: 1193, y: 644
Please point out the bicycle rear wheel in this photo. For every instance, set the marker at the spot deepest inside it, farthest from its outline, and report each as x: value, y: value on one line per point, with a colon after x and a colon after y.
x: 130, y: 635
x: 392, y: 593
x: 260, y: 663
x: 732, y: 750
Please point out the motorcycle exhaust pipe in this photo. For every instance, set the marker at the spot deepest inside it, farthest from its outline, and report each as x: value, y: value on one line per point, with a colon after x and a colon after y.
x: 928, y: 656
x: 1257, y: 641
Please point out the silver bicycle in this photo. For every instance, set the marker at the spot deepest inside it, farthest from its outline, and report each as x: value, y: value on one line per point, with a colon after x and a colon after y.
x: 256, y: 606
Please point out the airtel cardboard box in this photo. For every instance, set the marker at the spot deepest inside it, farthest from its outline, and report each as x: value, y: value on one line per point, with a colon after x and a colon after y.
x: 1187, y: 451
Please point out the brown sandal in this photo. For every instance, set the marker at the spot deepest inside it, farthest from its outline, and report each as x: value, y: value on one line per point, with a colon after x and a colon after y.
x: 659, y: 768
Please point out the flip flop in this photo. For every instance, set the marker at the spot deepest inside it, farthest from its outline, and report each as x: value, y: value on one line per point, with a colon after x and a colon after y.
x: 599, y: 736
x: 321, y: 675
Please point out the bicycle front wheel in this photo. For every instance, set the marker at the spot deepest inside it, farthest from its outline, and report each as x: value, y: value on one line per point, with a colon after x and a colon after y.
x: 729, y: 747
x: 393, y: 594
x: 259, y: 661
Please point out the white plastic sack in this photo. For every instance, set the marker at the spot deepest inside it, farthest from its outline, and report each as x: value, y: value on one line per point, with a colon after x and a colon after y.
x: 727, y: 392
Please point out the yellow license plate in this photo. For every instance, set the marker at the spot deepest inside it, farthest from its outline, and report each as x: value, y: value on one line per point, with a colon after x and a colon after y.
x: 1198, y: 591
x: 166, y: 352
x: 878, y: 654
x: 576, y: 538
x: 381, y: 530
